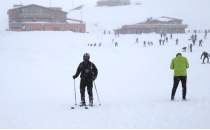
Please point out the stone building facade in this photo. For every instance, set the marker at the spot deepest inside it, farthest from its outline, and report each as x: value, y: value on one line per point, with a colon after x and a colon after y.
x: 38, y: 18
x: 160, y: 25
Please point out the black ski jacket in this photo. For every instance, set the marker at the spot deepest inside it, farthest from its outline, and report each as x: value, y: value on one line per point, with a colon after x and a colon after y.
x: 88, y: 71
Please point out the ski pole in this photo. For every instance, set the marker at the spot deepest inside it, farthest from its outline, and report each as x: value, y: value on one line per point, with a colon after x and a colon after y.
x: 97, y: 94
x: 75, y: 95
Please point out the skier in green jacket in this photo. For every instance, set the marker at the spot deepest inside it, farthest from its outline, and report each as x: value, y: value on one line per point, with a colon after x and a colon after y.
x: 179, y: 64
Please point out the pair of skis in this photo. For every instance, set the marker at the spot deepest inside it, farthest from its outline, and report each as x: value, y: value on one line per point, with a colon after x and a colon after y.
x: 84, y: 106
x: 81, y: 106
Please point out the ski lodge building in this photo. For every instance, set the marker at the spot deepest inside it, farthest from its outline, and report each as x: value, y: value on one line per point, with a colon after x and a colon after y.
x: 160, y: 25
x: 38, y: 18
x: 113, y: 2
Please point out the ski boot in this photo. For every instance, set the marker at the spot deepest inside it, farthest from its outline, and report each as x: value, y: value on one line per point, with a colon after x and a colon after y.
x: 172, y: 98
x: 82, y: 102
x: 91, y: 102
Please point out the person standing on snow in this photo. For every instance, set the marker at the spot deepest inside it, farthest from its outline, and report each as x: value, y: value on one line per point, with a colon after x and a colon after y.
x: 88, y: 73
x: 177, y: 41
x: 179, y: 64
x: 200, y: 43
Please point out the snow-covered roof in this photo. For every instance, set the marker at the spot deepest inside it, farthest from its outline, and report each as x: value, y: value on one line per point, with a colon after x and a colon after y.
x: 50, y: 8
x: 166, y: 19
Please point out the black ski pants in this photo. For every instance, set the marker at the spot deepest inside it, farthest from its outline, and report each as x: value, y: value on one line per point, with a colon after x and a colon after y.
x: 83, y: 84
x: 206, y: 57
x: 183, y: 80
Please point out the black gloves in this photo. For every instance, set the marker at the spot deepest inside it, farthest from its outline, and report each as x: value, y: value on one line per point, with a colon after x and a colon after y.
x: 74, y: 76
x: 94, y: 78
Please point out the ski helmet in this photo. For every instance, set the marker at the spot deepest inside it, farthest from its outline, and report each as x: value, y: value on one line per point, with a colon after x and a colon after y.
x: 86, y: 57
x: 178, y: 54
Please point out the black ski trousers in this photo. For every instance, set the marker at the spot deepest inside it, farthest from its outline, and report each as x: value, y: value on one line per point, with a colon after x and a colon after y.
x: 83, y: 84
x: 205, y: 57
x: 183, y: 80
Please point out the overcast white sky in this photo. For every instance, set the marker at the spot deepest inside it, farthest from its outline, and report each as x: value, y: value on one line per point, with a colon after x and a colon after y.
x: 190, y: 8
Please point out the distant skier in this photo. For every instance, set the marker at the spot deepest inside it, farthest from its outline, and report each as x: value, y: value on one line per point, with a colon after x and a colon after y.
x: 163, y: 42
x: 205, y: 35
x: 180, y: 65
x: 166, y: 39
x: 196, y: 37
x: 116, y: 44
x: 184, y: 49
x: 200, y: 43
x: 112, y: 40
x: 171, y: 36
x: 88, y: 73
x: 145, y: 44
x: 193, y: 41
x: 177, y: 41
x: 205, y: 55
x: 160, y: 41
x: 191, y: 46
x: 137, y: 40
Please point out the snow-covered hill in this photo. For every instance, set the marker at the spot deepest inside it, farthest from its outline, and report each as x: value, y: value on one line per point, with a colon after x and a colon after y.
x: 134, y: 82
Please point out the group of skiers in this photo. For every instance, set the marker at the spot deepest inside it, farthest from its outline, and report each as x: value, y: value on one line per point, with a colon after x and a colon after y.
x: 88, y: 71
x: 95, y: 44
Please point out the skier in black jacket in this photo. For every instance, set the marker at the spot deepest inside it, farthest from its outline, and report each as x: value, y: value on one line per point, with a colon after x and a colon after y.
x: 88, y: 73
x: 205, y: 55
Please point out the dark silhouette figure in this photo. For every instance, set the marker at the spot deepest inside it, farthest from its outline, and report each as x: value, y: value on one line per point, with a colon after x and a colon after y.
x: 171, y: 36
x: 163, y: 42
x: 191, y: 47
x: 200, y: 43
x: 145, y: 44
x: 137, y: 40
x: 177, y: 41
x: 116, y: 44
x: 184, y: 49
x: 193, y: 41
x: 205, y: 35
x: 166, y: 39
x: 160, y: 41
x: 88, y: 73
x: 205, y: 55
